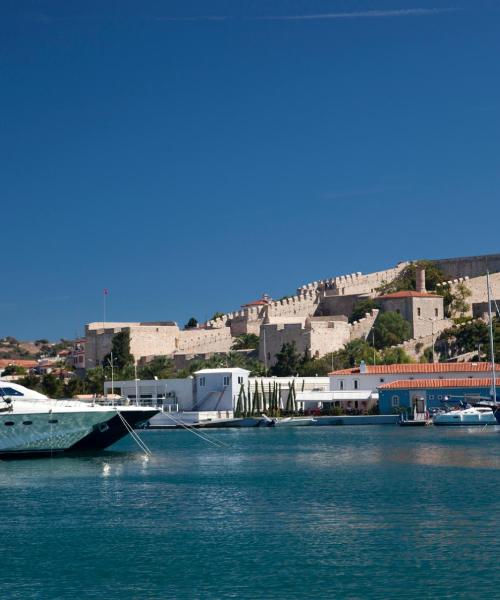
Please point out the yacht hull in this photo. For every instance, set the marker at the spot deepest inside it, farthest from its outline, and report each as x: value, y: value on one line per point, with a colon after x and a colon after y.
x: 42, y: 433
x: 103, y: 437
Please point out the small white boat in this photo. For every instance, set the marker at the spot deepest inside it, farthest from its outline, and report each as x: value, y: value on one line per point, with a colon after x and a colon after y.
x: 470, y: 416
x: 295, y: 421
x: 289, y: 421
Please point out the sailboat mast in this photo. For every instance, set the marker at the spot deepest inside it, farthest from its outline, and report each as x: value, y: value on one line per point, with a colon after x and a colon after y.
x: 492, y: 345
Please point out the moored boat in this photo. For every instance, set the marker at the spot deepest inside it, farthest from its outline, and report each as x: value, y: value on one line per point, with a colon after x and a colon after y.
x: 33, y: 424
x: 469, y: 416
x: 42, y: 426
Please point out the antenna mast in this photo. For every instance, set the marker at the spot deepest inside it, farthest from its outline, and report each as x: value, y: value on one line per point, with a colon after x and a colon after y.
x: 492, y: 345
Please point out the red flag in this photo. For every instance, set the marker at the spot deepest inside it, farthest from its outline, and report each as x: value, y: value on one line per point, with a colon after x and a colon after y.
x: 106, y: 291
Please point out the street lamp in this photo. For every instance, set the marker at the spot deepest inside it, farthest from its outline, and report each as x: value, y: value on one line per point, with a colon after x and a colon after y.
x: 136, y: 385
x: 111, y: 362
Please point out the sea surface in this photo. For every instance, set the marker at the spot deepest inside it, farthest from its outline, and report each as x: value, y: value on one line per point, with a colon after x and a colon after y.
x: 319, y: 512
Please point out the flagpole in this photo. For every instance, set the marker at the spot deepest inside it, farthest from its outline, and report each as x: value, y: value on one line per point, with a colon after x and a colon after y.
x: 105, y: 293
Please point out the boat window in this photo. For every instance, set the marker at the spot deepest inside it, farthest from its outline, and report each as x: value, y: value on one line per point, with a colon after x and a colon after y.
x: 8, y: 391
x: 53, y: 421
x: 9, y: 423
x: 27, y: 422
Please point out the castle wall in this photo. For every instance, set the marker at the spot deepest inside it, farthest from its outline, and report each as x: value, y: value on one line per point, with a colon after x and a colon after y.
x: 336, y: 305
x: 469, y: 266
x: 197, y: 341
x: 326, y: 337
x: 478, y: 289
x: 355, y: 283
x: 273, y: 336
x: 145, y: 340
x: 361, y: 329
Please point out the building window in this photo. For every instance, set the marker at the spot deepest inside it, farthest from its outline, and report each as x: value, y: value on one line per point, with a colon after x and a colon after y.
x: 381, y: 380
x: 356, y: 384
x: 202, y: 382
x: 341, y: 384
x: 431, y: 397
x: 395, y: 401
x: 436, y: 312
x: 440, y: 397
x: 240, y: 380
x: 419, y: 311
x: 225, y: 380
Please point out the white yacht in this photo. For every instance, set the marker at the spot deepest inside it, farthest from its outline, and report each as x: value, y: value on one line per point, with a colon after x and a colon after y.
x: 471, y: 415
x: 31, y: 423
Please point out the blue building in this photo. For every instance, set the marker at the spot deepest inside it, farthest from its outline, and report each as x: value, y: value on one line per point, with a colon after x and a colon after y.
x: 405, y: 393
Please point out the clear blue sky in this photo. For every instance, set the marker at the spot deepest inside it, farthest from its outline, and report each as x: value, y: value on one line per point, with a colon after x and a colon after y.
x: 190, y: 155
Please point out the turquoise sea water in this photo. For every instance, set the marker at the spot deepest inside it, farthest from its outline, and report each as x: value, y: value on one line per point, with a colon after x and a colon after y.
x: 331, y: 512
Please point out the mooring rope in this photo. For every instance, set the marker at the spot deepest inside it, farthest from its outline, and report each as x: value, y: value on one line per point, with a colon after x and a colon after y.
x: 135, y: 436
x: 216, y: 443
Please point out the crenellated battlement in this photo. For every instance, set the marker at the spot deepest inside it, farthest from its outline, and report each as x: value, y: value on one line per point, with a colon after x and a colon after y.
x: 362, y: 328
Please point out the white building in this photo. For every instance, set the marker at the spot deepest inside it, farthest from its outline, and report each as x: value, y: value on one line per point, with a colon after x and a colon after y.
x: 370, y: 377
x: 209, y: 390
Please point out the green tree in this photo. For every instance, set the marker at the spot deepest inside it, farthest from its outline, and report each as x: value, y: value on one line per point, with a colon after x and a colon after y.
x: 94, y: 380
x: 161, y: 367
x: 120, y: 349
x: 459, y: 306
x: 217, y: 315
x: 14, y: 370
x: 406, y: 280
x: 246, y: 341
x: 31, y: 381
x: 361, y: 308
x: 469, y: 337
x: 191, y: 324
x: 75, y: 386
x: 394, y: 356
x: 288, y: 361
x: 391, y: 329
x: 52, y: 386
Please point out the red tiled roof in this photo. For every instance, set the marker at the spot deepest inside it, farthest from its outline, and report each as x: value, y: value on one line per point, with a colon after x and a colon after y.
x: 478, y: 382
x: 257, y: 303
x: 19, y: 362
x: 410, y: 294
x: 478, y: 367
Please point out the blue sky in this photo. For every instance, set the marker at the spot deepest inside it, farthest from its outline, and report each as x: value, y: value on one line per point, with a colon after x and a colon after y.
x: 190, y: 156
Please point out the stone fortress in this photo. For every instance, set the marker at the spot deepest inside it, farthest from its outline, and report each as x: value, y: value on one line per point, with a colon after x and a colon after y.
x: 315, y: 318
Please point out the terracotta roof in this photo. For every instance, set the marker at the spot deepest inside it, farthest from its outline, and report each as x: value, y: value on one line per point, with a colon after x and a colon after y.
x: 478, y: 382
x: 477, y: 367
x: 257, y: 303
x: 19, y: 362
x: 410, y: 294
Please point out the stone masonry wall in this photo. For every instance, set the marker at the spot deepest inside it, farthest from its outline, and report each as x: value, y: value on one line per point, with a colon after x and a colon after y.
x: 469, y: 266
x: 477, y: 286
x: 362, y: 328
x: 356, y: 283
x: 197, y: 341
